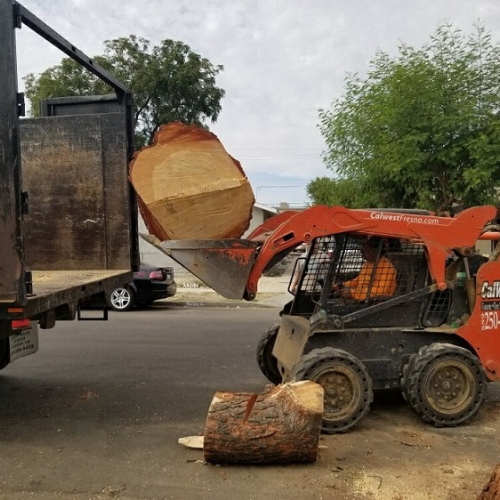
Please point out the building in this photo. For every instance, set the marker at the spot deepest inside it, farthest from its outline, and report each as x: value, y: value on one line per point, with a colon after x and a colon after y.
x: 260, y: 213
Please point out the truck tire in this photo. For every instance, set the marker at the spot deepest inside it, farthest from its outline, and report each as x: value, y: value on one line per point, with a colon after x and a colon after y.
x: 444, y: 384
x: 4, y: 353
x: 121, y: 299
x: 346, y: 382
x: 268, y: 364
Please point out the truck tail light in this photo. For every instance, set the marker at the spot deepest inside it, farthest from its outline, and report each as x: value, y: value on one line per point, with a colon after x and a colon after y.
x: 18, y: 324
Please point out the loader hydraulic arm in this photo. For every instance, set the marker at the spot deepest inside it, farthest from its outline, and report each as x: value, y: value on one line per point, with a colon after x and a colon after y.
x: 300, y: 227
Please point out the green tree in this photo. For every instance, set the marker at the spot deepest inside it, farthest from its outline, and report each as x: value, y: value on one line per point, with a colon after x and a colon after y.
x: 422, y: 130
x: 169, y: 82
x: 346, y: 192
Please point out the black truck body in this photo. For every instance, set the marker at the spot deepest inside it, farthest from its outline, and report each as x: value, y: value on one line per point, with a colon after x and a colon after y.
x: 68, y: 217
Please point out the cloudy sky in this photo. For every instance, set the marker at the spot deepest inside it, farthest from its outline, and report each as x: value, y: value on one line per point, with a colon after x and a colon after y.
x: 283, y: 60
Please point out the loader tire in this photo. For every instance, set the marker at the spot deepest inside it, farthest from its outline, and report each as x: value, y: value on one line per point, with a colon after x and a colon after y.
x: 268, y: 364
x: 444, y: 384
x: 347, y: 386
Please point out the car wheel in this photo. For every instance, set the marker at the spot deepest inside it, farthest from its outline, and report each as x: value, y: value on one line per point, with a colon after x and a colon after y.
x: 346, y: 382
x: 121, y: 299
x: 444, y: 384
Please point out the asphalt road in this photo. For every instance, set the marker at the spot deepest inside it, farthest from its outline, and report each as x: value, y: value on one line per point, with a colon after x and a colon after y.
x: 97, y: 414
x: 101, y: 406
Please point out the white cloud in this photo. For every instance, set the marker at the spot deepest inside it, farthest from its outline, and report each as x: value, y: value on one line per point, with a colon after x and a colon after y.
x: 283, y: 60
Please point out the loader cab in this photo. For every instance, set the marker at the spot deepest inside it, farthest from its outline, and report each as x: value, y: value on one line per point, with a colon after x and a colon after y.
x: 374, y: 270
x: 334, y: 262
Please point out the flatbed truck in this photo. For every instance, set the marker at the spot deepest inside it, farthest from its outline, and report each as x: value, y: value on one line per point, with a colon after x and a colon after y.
x: 68, y: 216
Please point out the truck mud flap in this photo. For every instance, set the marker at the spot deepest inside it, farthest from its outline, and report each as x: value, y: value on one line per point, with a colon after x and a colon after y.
x: 24, y: 343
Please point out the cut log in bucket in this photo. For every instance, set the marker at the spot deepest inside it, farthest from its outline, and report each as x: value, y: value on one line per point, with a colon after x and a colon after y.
x: 189, y: 187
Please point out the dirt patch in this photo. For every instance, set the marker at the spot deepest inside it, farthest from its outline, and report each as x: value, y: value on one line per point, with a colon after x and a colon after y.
x: 492, y: 490
x: 393, y: 455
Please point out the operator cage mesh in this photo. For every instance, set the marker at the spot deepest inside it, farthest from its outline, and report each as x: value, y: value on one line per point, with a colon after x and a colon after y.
x: 395, y: 269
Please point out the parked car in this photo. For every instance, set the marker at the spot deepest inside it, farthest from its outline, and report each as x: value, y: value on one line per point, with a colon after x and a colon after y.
x: 149, y: 284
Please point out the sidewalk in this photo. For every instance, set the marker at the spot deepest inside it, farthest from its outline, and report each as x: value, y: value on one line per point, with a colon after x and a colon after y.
x: 272, y: 292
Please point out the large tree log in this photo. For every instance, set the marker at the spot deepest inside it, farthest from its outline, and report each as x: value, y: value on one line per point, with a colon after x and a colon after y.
x: 281, y: 425
x: 492, y: 490
x: 189, y: 187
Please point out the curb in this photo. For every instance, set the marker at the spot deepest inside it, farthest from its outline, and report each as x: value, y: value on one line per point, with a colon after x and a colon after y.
x: 227, y: 305
x: 193, y: 293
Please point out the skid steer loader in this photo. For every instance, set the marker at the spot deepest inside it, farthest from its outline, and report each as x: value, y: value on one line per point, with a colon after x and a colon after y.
x: 433, y: 330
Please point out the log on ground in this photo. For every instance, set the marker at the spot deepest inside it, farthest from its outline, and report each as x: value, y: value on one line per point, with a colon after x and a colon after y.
x: 189, y: 187
x: 281, y: 425
x: 492, y: 490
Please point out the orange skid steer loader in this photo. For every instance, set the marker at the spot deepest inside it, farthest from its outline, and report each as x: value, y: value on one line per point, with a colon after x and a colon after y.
x: 432, y: 328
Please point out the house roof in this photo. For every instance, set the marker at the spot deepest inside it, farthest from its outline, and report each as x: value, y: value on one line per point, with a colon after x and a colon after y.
x: 266, y: 208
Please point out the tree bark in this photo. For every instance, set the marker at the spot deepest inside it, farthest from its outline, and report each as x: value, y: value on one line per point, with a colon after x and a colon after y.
x: 492, y: 490
x: 189, y: 187
x: 281, y: 425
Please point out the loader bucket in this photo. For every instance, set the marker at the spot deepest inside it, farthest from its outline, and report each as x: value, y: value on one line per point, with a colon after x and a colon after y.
x: 223, y: 265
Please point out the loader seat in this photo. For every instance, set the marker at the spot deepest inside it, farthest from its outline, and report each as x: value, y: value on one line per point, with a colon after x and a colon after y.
x: 406, y: 271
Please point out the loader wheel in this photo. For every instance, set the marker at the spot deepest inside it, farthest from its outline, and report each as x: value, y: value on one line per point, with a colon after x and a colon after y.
x: 444, y: 384
x: 346, y: 382
x: 268, y: 364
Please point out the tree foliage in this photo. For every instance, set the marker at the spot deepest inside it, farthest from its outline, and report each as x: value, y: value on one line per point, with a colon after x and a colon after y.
x: 169, y: 82
x: 346, y: 192
x: 422, y: 130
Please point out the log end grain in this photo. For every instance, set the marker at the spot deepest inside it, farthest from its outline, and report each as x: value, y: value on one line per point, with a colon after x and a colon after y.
x: 189, y: 187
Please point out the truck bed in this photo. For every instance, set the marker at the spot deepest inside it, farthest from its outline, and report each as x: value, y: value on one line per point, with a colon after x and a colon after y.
x: 52, y: 289
x: 48, y: 282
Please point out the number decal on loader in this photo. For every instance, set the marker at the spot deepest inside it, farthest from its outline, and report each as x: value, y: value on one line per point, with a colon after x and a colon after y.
x: 489, y: 320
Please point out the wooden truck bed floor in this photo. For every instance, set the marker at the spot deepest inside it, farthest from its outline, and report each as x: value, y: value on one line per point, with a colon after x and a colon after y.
x: 48, y: 282
x: 52, y: 289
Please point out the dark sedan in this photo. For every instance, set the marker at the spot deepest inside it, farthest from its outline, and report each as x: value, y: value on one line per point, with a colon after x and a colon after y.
x: 149, y: 284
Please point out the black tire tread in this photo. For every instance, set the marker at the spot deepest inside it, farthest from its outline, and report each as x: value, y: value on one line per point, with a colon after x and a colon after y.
x: 412, y: 373
x: 307, y: 363
x: 265, y: 360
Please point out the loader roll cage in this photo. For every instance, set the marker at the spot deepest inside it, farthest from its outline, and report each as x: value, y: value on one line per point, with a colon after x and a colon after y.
x: 335, y: 260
